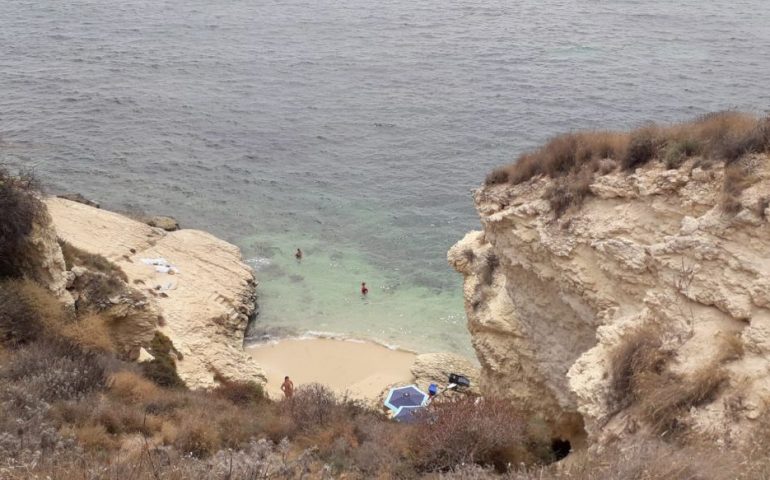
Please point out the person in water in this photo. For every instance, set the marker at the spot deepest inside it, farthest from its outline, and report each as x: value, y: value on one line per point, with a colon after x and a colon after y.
x: 298, y: 255
x: 287, y: 387
x: 364, y: 290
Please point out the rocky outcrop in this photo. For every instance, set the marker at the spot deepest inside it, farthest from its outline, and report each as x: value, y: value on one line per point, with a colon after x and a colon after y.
x: 43, y: 258
x: 552, y: 300
x: 204, y: 293
x: 168, y: 224
x: 435, y: 368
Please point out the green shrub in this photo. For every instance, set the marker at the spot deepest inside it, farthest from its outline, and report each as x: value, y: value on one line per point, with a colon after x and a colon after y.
x: 162, y: 369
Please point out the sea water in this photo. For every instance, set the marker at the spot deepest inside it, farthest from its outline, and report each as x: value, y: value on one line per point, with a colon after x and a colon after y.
x: 353, y: 129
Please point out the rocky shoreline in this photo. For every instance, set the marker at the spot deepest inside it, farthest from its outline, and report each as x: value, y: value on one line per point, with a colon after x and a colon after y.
x: 203, y: 305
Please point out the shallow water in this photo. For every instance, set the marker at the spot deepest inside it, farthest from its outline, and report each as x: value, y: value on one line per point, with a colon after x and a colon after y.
x: 353, y: 129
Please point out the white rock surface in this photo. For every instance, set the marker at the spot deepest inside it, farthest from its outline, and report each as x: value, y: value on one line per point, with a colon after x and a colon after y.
x: 205, y: 306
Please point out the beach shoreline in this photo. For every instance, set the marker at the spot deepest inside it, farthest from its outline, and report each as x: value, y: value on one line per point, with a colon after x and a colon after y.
x: 358, y: 369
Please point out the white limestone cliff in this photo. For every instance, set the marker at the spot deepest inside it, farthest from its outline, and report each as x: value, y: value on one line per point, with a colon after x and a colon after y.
x: 550, y: 299
x: 204, y: 307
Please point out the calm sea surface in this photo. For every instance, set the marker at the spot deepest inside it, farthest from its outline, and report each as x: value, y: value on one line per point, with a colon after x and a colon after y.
x: 354, y: 129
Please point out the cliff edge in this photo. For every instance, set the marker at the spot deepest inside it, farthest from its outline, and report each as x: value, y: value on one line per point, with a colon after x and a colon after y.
x: 622, y: 297
x: 203, y: 304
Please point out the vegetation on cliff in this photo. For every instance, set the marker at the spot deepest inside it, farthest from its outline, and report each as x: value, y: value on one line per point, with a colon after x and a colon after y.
x: 572, y: 160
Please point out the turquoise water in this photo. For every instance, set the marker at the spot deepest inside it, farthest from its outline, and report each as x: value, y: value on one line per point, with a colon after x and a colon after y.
x: 352, y: 129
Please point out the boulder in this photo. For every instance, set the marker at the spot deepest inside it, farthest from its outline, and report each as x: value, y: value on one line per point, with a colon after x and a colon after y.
x: 168, y: 224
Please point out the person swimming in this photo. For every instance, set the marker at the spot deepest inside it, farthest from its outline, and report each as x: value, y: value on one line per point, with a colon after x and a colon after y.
x: 298, y: 255
x: 364, y: 290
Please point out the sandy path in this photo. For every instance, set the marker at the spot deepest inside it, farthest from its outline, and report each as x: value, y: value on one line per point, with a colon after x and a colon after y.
x: 362, y: 369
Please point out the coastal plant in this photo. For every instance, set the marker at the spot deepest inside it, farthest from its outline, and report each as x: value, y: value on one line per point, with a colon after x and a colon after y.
x: 640, y: 352
x: 721, y: 137
x: 75, y: 257
x: 242, y: 393
x: 27, y: 312
x: 162, y: 368
x: 736, y: 179
x: 464, y: 431
x: 21, y: 210
x: 54, y: 370
x: 641, y: 149
x: 666, y: 398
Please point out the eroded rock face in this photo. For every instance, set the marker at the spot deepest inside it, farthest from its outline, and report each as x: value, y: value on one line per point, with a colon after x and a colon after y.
x: 45, y: 263
x: 550, y: 299
x: 204, y: 301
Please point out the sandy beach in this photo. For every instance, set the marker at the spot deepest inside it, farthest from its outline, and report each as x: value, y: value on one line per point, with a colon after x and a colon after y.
x: 360, y: 369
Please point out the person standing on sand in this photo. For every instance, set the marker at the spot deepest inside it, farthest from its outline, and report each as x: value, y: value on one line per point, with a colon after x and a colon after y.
x: 298, y: 255
x: 287, y: 387
x: 364, y: 290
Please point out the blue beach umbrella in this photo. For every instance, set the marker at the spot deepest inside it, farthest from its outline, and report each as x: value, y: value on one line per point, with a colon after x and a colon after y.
x: 409, y: 396
x: 408, y: 414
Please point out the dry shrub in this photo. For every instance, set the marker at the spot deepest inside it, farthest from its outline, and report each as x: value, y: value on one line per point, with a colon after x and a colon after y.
x: 638, y: 354
x: 464, y: 431
x: 241, y: 393
x: 569, y: 191
x: 639, y: 377
x: 642, y: 148
x: 719, y: 137
x: 488, y: 268
x: 677, y: 151
x: 21, y: 210
x: 119, y: 418
x: 497, y: 176
x: 74, y: 256
x: 666, y: 398
x: 54, y: 370
x: 731, y: 347
x: 736, y: 180
x: 315, y: 405
x: 95, y: 437
x: 196, y: 436
x: 90, y: 333
x: 278, y: 427
x: 132, y: 388
x: 27, y: 312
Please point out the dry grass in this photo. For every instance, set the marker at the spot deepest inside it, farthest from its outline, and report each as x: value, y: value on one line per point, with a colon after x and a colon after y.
x: 574, y: 158
x: 666, y: 398
x: 640, y: 353
x: 731, y: 347
x: 130, y: 387
x: 27, y: 312
x: 90, y: 333
x: 641, y: 380
x: 463, y: 431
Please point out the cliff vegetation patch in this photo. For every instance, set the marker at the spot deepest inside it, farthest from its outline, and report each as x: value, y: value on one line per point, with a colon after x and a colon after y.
x: 573, y: 159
